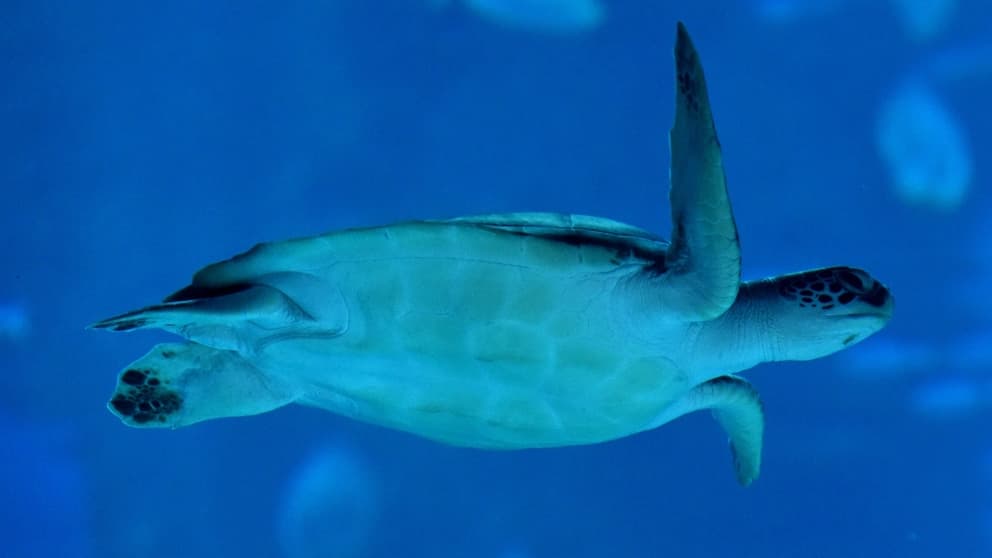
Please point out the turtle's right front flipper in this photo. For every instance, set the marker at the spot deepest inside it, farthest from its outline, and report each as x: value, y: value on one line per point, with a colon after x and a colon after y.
x: 704, y: 259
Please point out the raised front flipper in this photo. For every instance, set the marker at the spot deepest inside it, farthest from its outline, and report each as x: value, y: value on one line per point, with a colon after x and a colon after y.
x: 736, y: 406
x: 704, y: 257
x: 177, y: 384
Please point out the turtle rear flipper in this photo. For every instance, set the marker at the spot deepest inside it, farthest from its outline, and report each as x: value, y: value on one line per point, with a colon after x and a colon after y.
x: 177, y: 384
x: 225, y: 319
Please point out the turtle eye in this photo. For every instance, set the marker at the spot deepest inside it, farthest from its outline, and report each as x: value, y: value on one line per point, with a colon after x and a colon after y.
x: 854, y: 281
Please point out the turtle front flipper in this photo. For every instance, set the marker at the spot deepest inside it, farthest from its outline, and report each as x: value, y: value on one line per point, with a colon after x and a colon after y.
x: 737, y: 407
x: 178, y: 384
x: 704, y: 259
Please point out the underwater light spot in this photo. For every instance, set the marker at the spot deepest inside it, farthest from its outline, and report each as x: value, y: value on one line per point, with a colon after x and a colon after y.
x: 924, y: 148
x: 543, y: 16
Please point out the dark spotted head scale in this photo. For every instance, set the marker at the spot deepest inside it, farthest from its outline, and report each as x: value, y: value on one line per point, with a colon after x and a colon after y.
x: 834, y: 287
x: 815, y: 313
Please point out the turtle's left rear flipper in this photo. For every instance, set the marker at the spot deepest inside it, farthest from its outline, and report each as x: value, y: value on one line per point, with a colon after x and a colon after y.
x: 178, y: 384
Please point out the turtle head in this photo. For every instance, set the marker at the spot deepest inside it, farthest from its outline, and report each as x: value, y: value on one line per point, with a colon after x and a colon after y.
x: 819, y: 312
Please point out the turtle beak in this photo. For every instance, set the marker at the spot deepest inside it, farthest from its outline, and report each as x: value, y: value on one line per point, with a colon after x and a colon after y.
x: 880, y: 300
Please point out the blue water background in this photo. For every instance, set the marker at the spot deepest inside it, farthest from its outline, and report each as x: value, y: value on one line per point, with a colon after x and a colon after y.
x: 139, y: 141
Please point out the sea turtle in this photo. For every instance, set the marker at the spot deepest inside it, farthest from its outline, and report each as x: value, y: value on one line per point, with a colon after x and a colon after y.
x: 504, y: 331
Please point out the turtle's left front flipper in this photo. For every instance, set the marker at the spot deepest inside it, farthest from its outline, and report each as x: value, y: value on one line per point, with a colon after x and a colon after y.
x: 737, y: 407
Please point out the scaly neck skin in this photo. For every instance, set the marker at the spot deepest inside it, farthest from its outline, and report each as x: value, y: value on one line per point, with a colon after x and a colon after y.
x: 744, y: 336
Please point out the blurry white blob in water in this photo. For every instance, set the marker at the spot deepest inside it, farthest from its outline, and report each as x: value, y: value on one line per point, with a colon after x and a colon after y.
x: 923, y: 20
x: 550, y: 16
x: 13, y: 320
x: 786, y: 12
x: 514, y: 552
x: 924, y: 148
x: 329, y: 506
x: 949, y: 398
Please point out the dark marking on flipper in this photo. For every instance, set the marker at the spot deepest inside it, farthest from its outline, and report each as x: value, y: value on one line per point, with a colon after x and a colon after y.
x: 124, y: 406
x: 690, y: 80
x: 133, y: 377
x: 141, y: 398
x: 687, y: 87
x: 198, y: 292
x: 123, y: 325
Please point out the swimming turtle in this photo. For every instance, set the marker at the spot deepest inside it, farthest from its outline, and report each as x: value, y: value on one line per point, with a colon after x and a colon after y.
x: 504, y: 331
